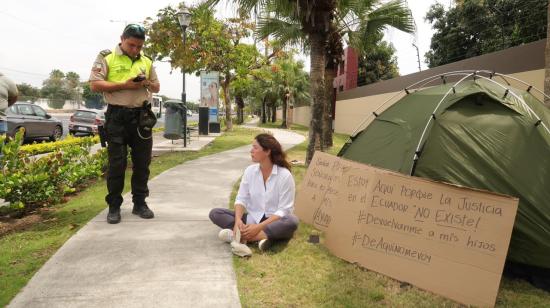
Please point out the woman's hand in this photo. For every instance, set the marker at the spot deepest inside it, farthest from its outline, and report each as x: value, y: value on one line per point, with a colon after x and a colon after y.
x: 250, y: 231
x: 239, y: 225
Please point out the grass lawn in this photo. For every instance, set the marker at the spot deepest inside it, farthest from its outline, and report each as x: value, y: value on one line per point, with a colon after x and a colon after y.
x: 297, y: 274
x: 22, y: 253
x: 300, y: 274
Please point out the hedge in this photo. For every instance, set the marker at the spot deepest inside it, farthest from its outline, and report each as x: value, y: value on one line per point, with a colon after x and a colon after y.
x: 28, y: 182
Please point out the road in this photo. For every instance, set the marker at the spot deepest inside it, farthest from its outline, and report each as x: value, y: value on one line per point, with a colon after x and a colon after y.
x: 64, y: 118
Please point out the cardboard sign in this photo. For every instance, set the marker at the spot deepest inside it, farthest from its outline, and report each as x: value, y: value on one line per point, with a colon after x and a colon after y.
x: 318, y: 193
x: 443, y: 238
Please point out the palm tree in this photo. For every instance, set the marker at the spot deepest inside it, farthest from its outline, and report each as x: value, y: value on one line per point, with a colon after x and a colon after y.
x: 300, y: 86
x: 362, y: 21
x: 291, y: 81
x: 315, y: 17
x: 264, y: 90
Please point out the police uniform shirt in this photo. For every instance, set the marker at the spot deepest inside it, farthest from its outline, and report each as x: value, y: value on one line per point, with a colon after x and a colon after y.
x: 126, y: 98
x: 7, y: 89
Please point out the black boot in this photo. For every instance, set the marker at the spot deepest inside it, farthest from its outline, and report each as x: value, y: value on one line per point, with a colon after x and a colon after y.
x: 142, y: 210
x: 113, y: 217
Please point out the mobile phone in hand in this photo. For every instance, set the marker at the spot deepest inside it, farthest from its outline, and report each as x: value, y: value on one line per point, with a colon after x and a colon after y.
x: 139, y: 78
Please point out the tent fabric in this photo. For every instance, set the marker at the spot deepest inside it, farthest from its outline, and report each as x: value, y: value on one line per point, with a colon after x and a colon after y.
x: 480, y: 138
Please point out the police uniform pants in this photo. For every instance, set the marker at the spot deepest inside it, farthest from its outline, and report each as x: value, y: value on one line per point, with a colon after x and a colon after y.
x: 282, y: 229
x: 121, y: 127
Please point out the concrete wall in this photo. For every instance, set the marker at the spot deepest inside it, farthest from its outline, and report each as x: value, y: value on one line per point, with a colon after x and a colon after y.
x: 354, y: 107
x: 302, y: 115
x: 289, y: 115
x: 354, y: 114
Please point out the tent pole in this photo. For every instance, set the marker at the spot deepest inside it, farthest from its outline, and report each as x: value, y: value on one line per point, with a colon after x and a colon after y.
x: 431, y: 118
x: 523, y: 102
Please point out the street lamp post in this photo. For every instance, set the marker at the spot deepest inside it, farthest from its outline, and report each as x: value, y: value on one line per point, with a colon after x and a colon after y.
x: 184, y: 19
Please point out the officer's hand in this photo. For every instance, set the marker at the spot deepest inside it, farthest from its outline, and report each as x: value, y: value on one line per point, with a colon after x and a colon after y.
x: 130, y: 84
x: 146, y: 83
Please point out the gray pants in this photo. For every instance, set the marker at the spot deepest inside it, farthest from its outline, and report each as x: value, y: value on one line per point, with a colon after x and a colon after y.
x: 282, y: 229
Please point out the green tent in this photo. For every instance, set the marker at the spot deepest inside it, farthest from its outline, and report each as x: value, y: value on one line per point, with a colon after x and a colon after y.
x: 477, y: 133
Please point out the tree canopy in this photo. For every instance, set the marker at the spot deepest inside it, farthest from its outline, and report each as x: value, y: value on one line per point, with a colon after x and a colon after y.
x: 377, y: 63
x: 92, y: 99
x: 475, y: 27
x: 28, y: 92
x: 211, y: 45
x: 59, y: 87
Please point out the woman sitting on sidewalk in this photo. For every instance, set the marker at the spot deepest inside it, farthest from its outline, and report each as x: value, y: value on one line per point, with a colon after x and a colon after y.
x: 267, y: 194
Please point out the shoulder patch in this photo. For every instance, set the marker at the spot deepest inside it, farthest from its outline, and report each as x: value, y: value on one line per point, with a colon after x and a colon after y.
x: 105, y: 52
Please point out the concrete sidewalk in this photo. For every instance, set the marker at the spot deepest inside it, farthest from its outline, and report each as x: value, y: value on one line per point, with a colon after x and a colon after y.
x: 195, y: 143
x: 174, y: 260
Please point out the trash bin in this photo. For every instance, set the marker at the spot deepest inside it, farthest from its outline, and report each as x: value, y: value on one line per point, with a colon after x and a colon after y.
x: 174, y: 119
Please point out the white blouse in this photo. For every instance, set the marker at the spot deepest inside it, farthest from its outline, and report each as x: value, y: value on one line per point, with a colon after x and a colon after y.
x: 275, y: 198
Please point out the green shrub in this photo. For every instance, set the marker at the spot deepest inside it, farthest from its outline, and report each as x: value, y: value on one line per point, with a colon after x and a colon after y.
x: 29, y: 182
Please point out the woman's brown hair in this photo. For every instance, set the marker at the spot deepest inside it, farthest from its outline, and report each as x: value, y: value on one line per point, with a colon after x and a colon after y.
x: 277, y: 155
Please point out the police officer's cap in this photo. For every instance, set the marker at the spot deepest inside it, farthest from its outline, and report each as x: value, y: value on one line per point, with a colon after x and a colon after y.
x: 134, y: 30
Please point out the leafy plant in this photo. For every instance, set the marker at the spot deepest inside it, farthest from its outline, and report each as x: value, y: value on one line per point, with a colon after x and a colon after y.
x: 28, y: 182
x: 39, y: 148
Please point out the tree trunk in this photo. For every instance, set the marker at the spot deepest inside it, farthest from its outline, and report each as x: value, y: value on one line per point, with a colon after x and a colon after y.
x: 273, y: 113
x: 333, y: 56
x: 264, y: 111
x: 227, y: 102
x: 547, y: 61
x: 330, y: 74
x: 285, y: 106
x: 240, y: 106
x: 317, y: 90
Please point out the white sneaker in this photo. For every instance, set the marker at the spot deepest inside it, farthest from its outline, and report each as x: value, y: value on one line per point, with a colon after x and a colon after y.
x: 226, y: 235
x: 264, y: 244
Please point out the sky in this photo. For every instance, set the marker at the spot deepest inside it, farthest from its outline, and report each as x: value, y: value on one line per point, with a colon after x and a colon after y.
x: 40, y: 36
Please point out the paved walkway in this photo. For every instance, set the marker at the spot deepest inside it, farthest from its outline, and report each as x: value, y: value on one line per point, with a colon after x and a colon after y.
x: 174, y: 260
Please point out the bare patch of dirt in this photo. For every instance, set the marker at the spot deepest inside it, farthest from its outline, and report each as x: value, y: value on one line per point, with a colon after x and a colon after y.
x: 8, y: 225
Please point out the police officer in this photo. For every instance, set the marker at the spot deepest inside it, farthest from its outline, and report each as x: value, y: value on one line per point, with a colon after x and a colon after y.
x: 126, y: 77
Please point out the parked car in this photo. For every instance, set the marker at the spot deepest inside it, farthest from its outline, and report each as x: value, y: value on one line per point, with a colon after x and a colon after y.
x: 86, y: 121
x: 36, y: 121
